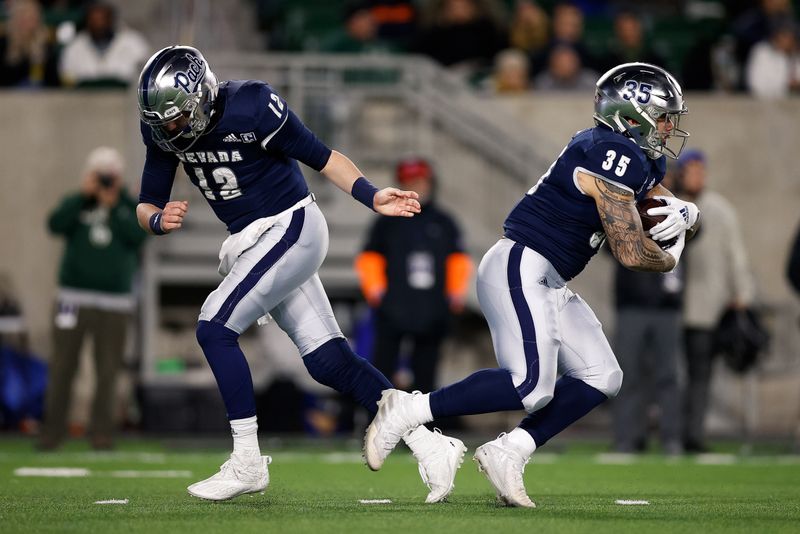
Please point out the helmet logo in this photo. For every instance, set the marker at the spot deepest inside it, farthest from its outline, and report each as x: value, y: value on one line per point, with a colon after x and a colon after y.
x: 194, y: 74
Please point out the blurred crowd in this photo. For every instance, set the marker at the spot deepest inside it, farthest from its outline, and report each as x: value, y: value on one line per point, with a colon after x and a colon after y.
x: 501, y: 46
x: 67, y: 43
x: 516, y: 46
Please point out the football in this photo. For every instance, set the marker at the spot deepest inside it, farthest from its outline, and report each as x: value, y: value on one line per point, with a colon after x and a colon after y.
x: 649, y: 221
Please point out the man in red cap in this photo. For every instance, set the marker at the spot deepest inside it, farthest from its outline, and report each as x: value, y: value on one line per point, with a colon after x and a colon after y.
x: 414, y: 273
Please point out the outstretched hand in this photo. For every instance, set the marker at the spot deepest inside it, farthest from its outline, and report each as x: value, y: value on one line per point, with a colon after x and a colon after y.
x: 396, y: 203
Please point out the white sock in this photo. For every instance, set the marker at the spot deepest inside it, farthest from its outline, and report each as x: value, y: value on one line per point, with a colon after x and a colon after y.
x: 420, y: 408
x: 245, y: 435
x: 521, y: 441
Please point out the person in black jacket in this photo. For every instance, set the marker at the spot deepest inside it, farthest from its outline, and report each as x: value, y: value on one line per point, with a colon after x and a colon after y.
x: 647, y: 345
x: 414, y: 273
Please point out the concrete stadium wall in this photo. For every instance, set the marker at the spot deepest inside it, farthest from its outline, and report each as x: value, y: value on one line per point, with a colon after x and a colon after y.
x: 751, y: 147
x: 43, y: 145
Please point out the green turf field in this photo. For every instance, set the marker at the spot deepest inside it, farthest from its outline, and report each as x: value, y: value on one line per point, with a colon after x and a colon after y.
x: 318, y: 490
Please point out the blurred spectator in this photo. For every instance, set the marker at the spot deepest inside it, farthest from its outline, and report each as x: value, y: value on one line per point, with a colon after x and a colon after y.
x: 103, y: 54
x: 717, y: 278
x: 565, y: 72
x: 360, y: 33
x: 629, y: 42
x: 773, y: 69
x: 753, y: 26
x: 396, y: 20
x: 529, y: 29
x: 719, y: 63
x: 647, y: 345
x: 94, y: 296
x: 567, y: 30
x: 461, y: 34
x: 414, y: 273
x: 27, y: 50
x: 511, y: 72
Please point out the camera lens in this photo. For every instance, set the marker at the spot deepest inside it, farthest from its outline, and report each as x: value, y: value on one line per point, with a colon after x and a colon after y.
x: 105, y: 180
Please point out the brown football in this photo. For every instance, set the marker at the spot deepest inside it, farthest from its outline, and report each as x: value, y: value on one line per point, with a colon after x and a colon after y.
x: 649, y: 221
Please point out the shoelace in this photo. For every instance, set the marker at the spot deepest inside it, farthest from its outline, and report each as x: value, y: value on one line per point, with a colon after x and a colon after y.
x: 423, y: 469
x: 518, y: 470
x: 239, y: 471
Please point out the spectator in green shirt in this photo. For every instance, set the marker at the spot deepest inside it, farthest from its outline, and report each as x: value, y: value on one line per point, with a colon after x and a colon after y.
x: 102, y: 242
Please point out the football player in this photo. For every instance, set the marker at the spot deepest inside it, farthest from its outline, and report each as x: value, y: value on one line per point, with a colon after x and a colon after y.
x: 239, y: 143
x: 539, y: 327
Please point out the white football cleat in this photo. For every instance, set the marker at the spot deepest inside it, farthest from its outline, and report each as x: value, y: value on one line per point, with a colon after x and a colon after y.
x: 438, y: 463
x: 387, y: 428
x: 242, y: 473
x: 504, y: 466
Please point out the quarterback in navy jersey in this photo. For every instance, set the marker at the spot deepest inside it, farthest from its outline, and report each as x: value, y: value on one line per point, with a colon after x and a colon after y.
x: 240, y: 145
x: 539, y: 327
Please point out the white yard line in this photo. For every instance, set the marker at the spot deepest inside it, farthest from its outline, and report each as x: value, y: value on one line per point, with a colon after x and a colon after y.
x: 72, y: 472
x: 132, y: 473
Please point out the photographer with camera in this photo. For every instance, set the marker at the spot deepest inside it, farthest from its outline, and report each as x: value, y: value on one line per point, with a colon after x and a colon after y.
x: 102, y: 241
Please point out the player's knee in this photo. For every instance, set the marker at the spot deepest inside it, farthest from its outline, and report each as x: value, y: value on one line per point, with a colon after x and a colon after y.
x: 209, y: 334
x: 537, y: 400
x: 327, y: 362
x: 611, y: 383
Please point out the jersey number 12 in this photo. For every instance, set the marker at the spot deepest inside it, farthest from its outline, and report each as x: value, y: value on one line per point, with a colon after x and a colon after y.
x: 227, y: 186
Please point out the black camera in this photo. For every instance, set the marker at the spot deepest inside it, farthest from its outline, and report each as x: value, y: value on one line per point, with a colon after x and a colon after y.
x: 106, y: 181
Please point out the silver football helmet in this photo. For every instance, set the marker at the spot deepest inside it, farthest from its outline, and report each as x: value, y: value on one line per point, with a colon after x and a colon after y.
x: 632, y: 97
x: 176, y: 94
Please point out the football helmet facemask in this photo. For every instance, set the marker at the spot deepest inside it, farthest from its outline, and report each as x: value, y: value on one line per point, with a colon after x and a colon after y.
x: 631, y: 99
x: 176, y: 93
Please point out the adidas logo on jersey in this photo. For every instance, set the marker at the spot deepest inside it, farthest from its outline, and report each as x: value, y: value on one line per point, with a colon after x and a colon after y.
x: 231, y: 138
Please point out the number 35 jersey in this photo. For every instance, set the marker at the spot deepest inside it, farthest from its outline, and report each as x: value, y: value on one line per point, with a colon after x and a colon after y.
x: 561, y: 223
x: 245, y: 164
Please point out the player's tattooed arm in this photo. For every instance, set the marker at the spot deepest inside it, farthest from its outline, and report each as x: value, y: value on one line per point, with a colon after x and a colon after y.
x: 623, y: 226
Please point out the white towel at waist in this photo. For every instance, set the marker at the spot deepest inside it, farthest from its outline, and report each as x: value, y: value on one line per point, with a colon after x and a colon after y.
x: 238, y: 243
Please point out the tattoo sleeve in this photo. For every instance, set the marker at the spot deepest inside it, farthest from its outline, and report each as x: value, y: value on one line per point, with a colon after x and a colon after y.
x: 624, y: 232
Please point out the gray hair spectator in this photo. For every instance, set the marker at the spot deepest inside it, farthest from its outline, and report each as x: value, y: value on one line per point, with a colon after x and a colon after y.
x: 511, y: 72
x: 95, y: 295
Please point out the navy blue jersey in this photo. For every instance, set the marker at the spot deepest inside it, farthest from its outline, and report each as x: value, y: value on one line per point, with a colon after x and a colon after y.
x: 561, y: 223
x: 245, y: 164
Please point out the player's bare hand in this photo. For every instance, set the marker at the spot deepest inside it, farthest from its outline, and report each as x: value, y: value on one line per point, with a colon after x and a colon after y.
x: 172, y: 215
x: 396, y: 203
